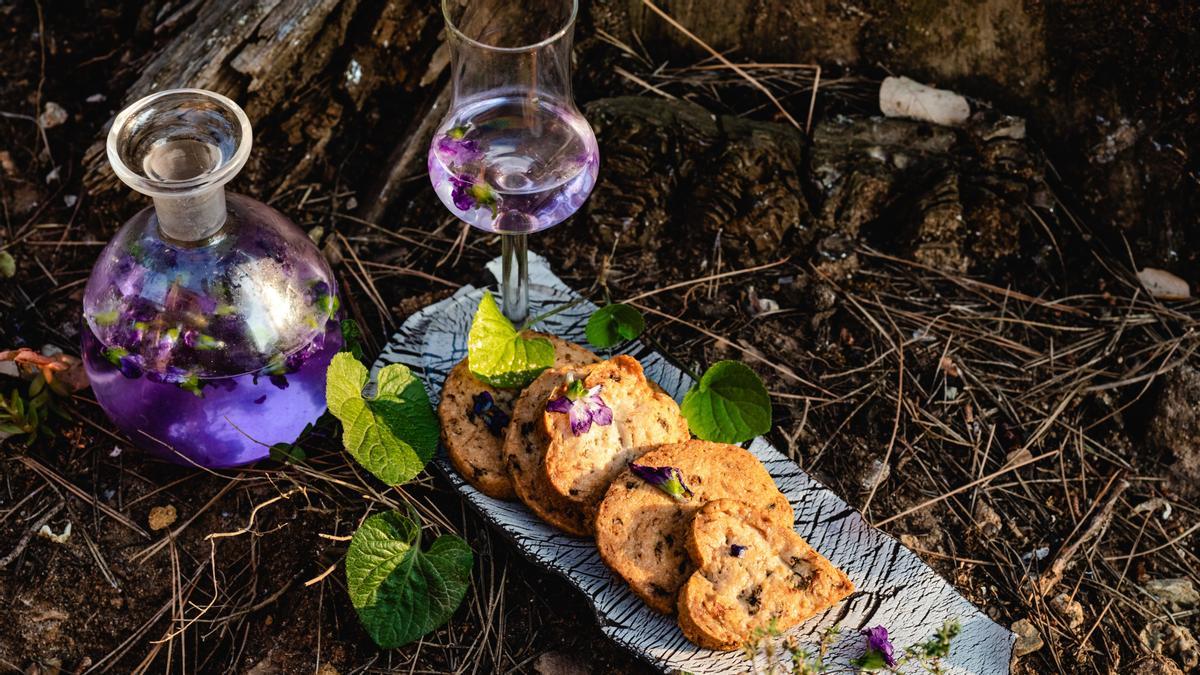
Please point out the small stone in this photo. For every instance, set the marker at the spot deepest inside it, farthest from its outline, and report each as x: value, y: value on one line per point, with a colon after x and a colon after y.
x: 52, y: 115
x: 1175, y: 642
x: 1174, y: 428
x: 1028, y: 638
x: 56, y: 537
x: 1069, y: 610
x: 902, y: 97
x: 1176, y: 594
x: 986, y: 519
x: 7, y: 165
x: 1036, y: 554
x: 1164, y: 285
x: 162, y: 517
x: 558, y: 663
x: 1018, y: 456
x: 875, y: 476
x: 327, y: 669
x: 1154, y: 664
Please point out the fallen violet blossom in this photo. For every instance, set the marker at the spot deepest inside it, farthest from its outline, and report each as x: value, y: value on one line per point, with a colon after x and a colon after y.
x: 666, y: 478
x: 583, y: 406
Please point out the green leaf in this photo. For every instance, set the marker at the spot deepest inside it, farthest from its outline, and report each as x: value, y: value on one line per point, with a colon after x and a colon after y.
x: 8, y: 266
x: 613, y: 324
x: 498, y: 355
x: 352, y: 338
x: 729, y: 404
x: 37, y: 386
x: 394, y: 434
x: 402, y: 593
x: 287, y: 453
x: 870, y: 662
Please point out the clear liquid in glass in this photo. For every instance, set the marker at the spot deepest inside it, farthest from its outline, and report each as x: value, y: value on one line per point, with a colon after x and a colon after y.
x: 513, y: 164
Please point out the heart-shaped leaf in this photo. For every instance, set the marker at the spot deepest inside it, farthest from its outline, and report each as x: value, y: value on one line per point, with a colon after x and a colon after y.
x: 497, y: 353
x: 729, y: 404
x: 394, y: 434
x: 613, y: 324
x: 400, y: 592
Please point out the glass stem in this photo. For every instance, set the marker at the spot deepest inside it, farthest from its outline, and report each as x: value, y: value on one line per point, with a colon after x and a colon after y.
x: 514, y: 283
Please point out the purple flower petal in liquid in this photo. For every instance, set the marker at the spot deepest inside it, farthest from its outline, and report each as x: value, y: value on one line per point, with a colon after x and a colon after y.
x: 460, y: 194
x: 457, y: 150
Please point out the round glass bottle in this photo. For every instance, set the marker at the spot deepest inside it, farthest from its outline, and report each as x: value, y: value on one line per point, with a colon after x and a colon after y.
x: 210, y: 318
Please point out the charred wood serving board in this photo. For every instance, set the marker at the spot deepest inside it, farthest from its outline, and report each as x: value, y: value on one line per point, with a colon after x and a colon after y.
x: 894, y: 587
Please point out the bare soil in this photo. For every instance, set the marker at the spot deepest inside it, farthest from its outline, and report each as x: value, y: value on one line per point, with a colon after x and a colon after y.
x: 959, y: 314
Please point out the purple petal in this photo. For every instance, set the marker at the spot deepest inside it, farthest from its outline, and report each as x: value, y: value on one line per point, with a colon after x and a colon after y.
x: 581, y: 419
x: 562, y: 404
x: 665, y: 478
x: 877, y: 640
x: 497, y: 421
x: 483, y: 402
x: 601, y: 414
x: 129, y: 367
x: 654, y: 475
x: 460, y: 194
x: 458, y: 150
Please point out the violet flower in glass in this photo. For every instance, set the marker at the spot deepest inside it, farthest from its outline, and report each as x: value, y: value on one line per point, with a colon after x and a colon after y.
x: 584, y: 407
x: 513, y: 155
x: 210, y: 318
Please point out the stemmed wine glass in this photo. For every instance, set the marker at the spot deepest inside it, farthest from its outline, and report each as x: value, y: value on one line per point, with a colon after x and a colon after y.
x: 513, y: 155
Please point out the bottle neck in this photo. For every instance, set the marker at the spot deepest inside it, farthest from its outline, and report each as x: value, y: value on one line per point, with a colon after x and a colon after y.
x: 191, y: 218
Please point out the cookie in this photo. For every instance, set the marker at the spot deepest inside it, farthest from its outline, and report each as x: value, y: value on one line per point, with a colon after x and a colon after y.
x: 750, y: 573
x: 641, y: 531
x: 580, y: 463
x: 475, y: 416
x: 524, y: 451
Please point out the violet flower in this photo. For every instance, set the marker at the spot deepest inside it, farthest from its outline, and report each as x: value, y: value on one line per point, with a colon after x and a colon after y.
x: 185, y: 380
x: 737, y: 550
x: 665, y: 478
x: 583, y: 406
x: 879, y: 649
x: 485, y: 408
x: 456, y: 148
x: 124, y: 361
x: 468, y: 194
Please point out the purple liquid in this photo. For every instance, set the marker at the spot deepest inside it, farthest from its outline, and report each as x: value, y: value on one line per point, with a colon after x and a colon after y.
x: 218, y: 422
x: 208, y: 353
x: 512, y: 164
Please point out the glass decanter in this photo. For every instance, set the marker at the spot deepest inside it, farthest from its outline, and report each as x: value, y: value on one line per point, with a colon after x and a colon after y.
x: 513, y: 155
x: 210, y: 318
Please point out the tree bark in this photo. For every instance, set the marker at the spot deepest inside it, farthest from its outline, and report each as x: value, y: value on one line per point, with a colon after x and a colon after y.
x: 303, y: 64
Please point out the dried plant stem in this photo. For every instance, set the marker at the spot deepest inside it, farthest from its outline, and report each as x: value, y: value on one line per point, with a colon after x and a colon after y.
x: 720, y: 57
